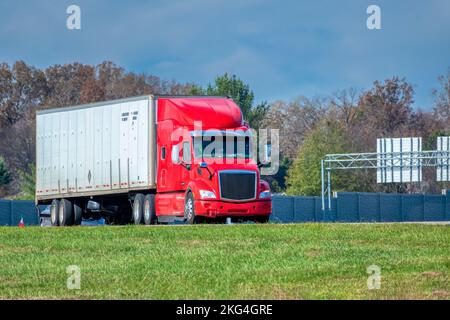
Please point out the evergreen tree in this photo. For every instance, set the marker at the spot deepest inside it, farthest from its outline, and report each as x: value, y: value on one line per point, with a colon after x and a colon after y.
x: 5, y: 176
x: 28, y: 183
x: 304, y: 176
x: 241, y: 93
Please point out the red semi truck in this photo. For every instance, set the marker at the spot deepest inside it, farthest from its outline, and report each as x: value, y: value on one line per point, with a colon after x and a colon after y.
x: 149, y: 159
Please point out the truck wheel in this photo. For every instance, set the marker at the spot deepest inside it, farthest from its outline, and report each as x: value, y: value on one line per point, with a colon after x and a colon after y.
x: 149, y: 209
x: 65, y: 213
x: 189, y: 209
x: 138, y: 208
x: 77, y: 214
x: 54, y: 209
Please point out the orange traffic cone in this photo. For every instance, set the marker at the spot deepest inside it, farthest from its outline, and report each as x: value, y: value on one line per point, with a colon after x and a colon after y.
x: 21, y: 223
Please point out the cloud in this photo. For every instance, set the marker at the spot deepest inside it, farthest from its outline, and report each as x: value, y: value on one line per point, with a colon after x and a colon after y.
x: 282, y: 49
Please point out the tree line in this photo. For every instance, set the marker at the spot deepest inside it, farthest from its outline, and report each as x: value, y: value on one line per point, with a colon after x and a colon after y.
x: 310, y: 127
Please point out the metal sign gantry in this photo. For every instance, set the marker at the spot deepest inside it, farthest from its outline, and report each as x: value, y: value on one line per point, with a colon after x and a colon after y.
x: 355, y: 161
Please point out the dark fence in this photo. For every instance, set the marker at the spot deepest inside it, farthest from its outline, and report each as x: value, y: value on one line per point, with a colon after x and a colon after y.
x: 347, y: 207
x: 363, y: 207
x: 11, y: 211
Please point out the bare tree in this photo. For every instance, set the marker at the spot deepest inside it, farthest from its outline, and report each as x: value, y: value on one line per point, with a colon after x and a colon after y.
x: 442, y: 101
x: 21, y: 89
x: 387, y: 106
x: 294, y: 120
x: 346, y: 101
x: 17, y: 145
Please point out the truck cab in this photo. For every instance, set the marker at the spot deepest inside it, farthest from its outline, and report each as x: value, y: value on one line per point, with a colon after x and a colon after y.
x: 206, y: 163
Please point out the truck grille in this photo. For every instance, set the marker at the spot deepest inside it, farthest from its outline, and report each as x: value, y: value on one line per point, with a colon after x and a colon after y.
x: 237, y: 185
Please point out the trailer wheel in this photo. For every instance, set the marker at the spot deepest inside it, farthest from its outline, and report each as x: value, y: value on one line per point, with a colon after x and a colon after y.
x: 54, y: 209
x: 149, y: 209
x: 189, y: 209
x: 65, y: 213
x: 77, y: 214
x: 138, y: 208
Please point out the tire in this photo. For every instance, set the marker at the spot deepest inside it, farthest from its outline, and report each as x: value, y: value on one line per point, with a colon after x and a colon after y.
x: 189, y: 209
x: 138, y: 209
x: 65, y: 212
x: 77, y: 214
x: 149, y: 210
x: 54, y: 210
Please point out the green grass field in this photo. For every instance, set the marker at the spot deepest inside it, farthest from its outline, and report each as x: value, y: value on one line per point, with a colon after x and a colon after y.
x: 304, y: 261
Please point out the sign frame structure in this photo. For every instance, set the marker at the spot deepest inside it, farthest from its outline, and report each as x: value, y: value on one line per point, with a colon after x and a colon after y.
x: 364, y: 161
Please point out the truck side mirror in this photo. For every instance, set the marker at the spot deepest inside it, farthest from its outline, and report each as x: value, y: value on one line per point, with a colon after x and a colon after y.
x: 175, y: 154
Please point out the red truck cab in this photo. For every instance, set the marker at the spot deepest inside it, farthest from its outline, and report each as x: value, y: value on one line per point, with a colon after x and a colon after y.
x: 197, y: 181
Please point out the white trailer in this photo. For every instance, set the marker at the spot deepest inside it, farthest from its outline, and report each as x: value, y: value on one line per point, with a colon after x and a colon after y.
x: 96, y: 149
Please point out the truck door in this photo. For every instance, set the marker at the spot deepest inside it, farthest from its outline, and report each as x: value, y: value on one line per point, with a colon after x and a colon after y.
x: 165, y: 166
x: 172, y: 176
x: 180, y: 164
x: 187, y: 165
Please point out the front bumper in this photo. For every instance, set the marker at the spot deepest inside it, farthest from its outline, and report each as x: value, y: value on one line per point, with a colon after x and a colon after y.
x: 217, y: 208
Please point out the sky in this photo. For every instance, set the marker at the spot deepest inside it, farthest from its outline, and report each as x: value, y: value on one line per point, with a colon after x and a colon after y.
x: 282, y: 49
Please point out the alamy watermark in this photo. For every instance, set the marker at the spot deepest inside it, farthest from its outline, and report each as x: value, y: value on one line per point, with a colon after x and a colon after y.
x: 73, y: 21
x: 374, y: 279
x: 74, y: 277
x: 373, y: 22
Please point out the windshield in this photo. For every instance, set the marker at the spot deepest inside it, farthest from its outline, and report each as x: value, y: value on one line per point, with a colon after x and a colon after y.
x: 221, y: 147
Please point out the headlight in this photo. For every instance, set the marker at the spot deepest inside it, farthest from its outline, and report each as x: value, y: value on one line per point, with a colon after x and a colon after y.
x: 205, y: 194
x: 264, y: 195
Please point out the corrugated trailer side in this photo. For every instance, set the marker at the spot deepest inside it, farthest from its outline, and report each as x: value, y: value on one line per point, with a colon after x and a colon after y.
x: 96, y: 149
